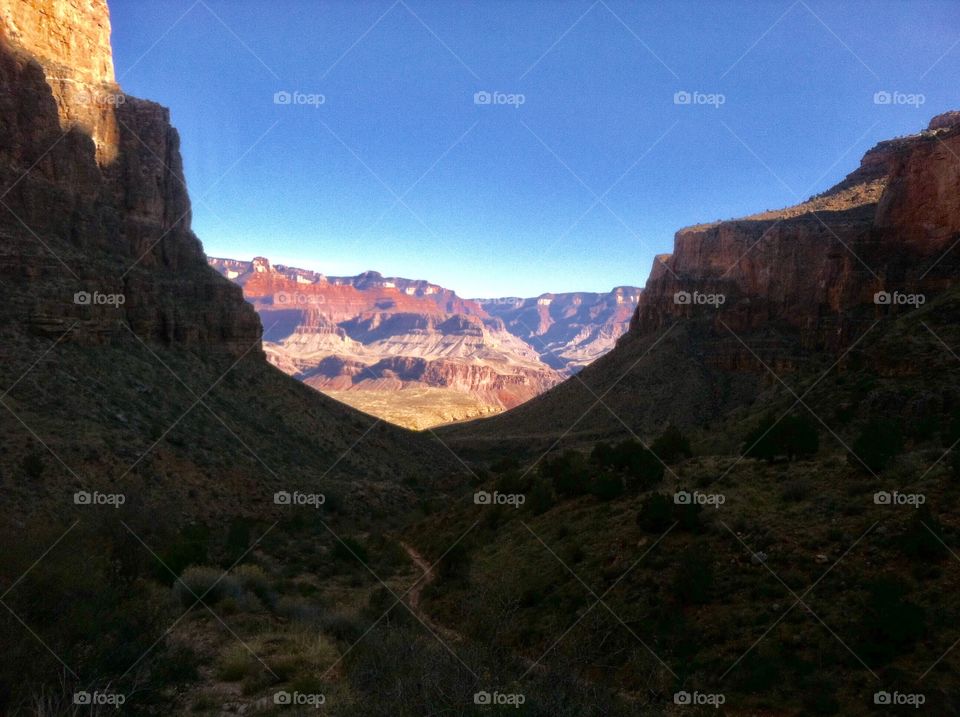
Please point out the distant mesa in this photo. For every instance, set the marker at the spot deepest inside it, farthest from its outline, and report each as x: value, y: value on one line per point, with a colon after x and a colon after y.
x: 414, y: 352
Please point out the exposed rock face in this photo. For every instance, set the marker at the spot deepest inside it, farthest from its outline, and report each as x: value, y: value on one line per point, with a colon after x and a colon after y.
x: 814, y: 268
x: 388, y: 337
x: 93, y: 196
x: 96, y: 247
x: 71, y: 40
x: 568, y: 330
x: 794, y: 285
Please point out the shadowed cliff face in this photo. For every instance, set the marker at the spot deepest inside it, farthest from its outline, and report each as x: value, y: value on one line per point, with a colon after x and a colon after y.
x: 813, y: 269
x: 117, y: 341
x: 779, y: 291
x: 95, y: 216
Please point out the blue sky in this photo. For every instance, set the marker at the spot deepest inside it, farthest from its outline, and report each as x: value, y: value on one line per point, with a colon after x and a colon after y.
x: 401, y: 171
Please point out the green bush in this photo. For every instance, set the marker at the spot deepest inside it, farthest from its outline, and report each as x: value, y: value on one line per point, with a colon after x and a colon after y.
x: 33, y: 465
x: 602, y: 454
x: 923, y: 538
x: 253, y: 579
x: 693, y: 578
x: 455, y: 564
x: 238, y: 539
x: 607, y: 486
x: 790, y: 437
x: 656, y: 513
x: 349, y: 550
x: 207, y: 583
x: 890, y: 623
x: 541, y: 498
x: 878, y: 443
x: 190, y: 547
x: 568, y: 472
x: 671, y: 445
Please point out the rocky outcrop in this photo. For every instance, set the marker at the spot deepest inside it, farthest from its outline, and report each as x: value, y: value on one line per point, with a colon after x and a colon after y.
x: 93, y: 194
x: 568, y: 330
x: 813, y: 270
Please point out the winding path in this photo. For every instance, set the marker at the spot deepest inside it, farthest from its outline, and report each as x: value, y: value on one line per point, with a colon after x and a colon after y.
x: 416, y: 592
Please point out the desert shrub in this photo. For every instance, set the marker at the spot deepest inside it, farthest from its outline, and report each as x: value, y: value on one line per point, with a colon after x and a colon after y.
x: 32, y: 465
x: 951, y: 431
x: 455, y: 564
x: 656, y: 513
x: 607, y: 486
x: 638, y: 463
x: 795, y: 490
x: 238, y: 539
x: 890, y: 623
x: 94, y: 617
x: 513, y: 482
x: 878, y: 443
x: 821, y: 697
x: 297, y: 609
x: 236, y: 664
x: 189, y: 547
x: 207, y: 583
x: 568, y: 472
x: 349, y: 550
x: 790, y: 437
x: 671, y: 445
x: 689, y: 516
x: 342, y: 626
x: 923, y: 538
x: 541, y: 498
x: 602, y: 454
x: 253, y: 579
x: 693, y: 578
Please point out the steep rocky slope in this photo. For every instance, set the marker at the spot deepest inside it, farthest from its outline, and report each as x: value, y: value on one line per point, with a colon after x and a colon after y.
x: 778, y: 292
x: 409, y: 351
x: 128, y: 362
x: 568, y: 330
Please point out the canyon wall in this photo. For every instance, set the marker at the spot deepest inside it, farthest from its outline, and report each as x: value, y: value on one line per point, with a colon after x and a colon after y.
x: 813, y: 270
x: 93, y: 201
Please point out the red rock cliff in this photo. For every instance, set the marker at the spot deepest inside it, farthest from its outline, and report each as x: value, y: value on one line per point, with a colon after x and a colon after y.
x: 92, y: 194
x: 813, y: 269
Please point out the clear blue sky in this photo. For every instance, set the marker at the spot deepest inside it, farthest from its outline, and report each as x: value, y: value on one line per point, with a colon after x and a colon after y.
x: 497, y: 190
